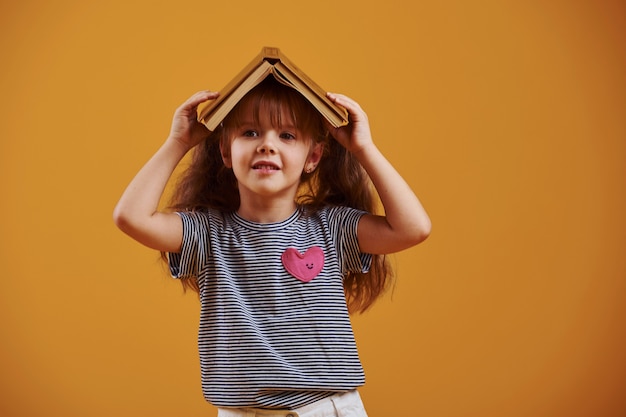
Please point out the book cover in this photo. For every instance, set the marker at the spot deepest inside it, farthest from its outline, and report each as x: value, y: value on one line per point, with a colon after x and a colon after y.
x: 270, y: 61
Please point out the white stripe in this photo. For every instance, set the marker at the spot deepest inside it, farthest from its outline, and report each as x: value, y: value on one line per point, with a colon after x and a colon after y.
x: 267, y: 339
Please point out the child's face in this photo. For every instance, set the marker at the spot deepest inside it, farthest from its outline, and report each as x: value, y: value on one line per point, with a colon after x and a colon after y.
x: 268, y: 160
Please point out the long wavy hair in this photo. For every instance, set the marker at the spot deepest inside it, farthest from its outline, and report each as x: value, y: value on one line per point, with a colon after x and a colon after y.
x: 339, y: 179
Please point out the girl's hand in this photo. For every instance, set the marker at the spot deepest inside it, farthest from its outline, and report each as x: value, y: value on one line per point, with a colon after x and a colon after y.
x: 186, y: 129
x: 356, y: 135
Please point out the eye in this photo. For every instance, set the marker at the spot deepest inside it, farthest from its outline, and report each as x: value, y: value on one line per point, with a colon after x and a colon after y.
x: 250, y: 133
x: 287, y: 136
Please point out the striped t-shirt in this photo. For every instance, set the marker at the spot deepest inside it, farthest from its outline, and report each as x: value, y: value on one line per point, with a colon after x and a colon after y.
x: 274, y: 332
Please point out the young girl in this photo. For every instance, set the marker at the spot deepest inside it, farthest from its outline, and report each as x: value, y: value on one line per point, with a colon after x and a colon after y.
x: 274, y: 229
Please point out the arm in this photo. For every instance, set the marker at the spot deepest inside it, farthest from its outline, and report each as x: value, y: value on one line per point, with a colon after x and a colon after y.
x: 136, y: 213
x: 405, y: 223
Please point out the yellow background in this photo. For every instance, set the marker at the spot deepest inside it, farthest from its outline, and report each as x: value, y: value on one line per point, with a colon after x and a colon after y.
x: 506, y: 117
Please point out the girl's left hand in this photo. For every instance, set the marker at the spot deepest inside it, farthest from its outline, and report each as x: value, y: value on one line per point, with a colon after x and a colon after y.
x: 356, y: 135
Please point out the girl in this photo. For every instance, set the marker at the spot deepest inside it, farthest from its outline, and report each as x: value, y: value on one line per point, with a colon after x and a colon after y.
x: 273, y: 227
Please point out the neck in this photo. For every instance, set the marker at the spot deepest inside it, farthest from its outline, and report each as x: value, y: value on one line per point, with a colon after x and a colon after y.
x: 266, y: 211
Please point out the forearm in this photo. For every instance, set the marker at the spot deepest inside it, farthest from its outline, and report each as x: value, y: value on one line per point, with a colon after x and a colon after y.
x: 404, y: 213
x: 405, y: 222
x: 140, y: 201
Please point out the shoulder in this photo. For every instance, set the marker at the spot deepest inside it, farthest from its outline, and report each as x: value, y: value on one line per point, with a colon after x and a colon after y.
x: 205, y: 218
x: 339, y: 213
x: 337, y: 219
x: 331, y: 211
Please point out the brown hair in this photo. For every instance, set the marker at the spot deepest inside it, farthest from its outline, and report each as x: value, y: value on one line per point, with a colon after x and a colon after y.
x: 339, y: 179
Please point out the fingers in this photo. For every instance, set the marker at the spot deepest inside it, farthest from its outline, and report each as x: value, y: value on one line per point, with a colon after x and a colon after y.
x: 185, y: 126
x: 343, y: 101
x: 353, y: 108
x: 356, y: 134
x: 198, y: 98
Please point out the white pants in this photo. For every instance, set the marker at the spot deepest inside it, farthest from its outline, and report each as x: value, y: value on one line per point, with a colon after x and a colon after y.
x: 347, y: 404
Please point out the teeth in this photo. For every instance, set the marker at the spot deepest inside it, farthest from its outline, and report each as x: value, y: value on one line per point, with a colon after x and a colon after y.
x: 264, y: 167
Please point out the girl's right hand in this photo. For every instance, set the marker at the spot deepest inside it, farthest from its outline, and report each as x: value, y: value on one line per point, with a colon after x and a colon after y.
x: 186, y: 129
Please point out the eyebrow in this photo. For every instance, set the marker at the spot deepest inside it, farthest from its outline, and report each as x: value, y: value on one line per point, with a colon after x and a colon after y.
x: 250, y: 122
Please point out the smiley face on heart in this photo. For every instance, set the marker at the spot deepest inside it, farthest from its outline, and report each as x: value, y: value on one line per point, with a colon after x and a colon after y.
x: 305, y: 266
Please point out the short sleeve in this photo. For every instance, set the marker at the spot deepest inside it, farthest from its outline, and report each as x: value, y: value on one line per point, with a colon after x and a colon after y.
x: 195, y: 246
x: 345, y: 222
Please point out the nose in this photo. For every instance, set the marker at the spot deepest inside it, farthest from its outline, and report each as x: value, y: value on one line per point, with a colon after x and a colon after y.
x: 267, y: 144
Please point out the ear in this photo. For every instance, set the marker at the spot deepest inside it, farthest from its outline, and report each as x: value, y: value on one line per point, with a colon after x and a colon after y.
x: 315, y: 155
x: 225, y: 152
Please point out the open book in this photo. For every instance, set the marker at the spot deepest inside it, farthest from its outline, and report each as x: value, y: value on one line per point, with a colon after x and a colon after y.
x: 269, y: 61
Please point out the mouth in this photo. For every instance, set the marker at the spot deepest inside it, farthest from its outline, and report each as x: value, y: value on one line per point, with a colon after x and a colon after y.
x: 265, y: 166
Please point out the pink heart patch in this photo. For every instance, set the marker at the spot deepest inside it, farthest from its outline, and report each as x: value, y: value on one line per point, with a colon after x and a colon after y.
x: 304, y: 267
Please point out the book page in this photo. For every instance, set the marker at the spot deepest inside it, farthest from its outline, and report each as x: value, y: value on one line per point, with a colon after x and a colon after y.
x: 214, y: 113
x: 334, y: 114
